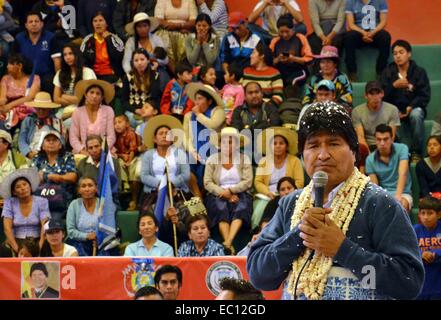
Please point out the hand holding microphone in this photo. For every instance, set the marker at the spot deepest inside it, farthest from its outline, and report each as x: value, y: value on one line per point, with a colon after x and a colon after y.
x: 320, y: 180
x: 318, y: 232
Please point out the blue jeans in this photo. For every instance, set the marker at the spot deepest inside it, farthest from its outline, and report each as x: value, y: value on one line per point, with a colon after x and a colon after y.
x: 416, y: 119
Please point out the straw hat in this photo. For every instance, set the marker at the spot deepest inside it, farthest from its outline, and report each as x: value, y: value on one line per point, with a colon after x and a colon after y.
x: 42, y: 100
x: 193, y: 88
x: 216, y: 138
x: 83, y: 85
x: 139, y: 17
x: 6, y: 135
x: 31, y: 174
x: 156, y: 122
x: 289, y: 134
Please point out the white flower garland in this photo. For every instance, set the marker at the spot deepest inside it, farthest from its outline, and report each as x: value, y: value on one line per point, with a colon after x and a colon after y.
x: 313, y: 279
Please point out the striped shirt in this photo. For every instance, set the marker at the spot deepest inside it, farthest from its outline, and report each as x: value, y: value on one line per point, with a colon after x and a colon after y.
x: 218, y: 15
x: 269, y: 79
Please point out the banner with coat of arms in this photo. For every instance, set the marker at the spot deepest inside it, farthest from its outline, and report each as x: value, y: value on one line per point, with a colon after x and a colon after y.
x: 118, y: 278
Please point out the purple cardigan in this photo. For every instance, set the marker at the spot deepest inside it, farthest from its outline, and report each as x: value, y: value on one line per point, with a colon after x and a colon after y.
x: 81, y: 127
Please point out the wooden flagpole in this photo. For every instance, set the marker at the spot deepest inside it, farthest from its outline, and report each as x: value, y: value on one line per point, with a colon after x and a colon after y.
x: 170, y: 196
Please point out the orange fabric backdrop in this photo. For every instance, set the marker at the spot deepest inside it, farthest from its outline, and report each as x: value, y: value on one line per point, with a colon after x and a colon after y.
x: 118, y: 278
x: 416, y: 21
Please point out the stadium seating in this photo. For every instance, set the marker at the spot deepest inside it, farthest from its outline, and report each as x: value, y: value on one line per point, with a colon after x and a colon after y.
x: 434, y: 106
x: 428, y: 57
x: 415, y: 193
x: 127, y: 222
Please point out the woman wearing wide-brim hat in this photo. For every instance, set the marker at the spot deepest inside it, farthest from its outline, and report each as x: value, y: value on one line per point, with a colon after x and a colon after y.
x: 228, y: 179
x: 36, y: 124
x: 92, y: 117
x: 328, y: 61
x: 24, y: 214
x: 163, y: 137
x: 141, y: 35
x: 279, y: 144
x: 207, y: 113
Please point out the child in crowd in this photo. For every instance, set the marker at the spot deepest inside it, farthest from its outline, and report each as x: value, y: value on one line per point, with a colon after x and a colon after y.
x: 429, y: 239
x: 233, y: 94
x: 174, y: 99
x: 28, y: 249
x: 207, y: 75
x: 428, y: 170
x: 160, y: 55
x: 126, y: 149
x: 147, y: 112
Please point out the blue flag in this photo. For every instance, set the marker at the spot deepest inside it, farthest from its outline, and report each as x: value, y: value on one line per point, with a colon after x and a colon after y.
x: 107, y: 185
x: 162, y: 202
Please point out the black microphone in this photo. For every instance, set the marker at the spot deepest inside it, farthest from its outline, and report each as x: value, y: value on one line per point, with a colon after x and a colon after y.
x: 320, y: 180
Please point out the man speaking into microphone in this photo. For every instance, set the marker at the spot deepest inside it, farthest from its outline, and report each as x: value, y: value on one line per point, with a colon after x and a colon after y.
x: 344, y: 239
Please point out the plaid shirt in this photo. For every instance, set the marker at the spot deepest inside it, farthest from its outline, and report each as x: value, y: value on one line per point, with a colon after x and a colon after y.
x: 126, y: 142
x: 212, y: 248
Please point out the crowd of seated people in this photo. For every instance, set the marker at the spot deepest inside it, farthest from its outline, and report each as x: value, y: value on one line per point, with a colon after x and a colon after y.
x: 186, y: 90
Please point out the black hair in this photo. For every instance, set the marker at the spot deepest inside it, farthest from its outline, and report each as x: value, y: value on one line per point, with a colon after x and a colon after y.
x: 286, y: 179
x: 148, y: 214
x: 436, y: 137
x: 13, y: 184
x: 160, y: 127
x: 263, y: 50
x: 430, y: 203
x: 33, y: 13
x: 280, y: 136
x: 66, y: 71
x: 17, y: 58
x: 285, y: 20
x: 135, y: 35
x: 331, y: 117
x: 383, y: 128
x: 250, y: 83
x: 242, y: 289
x: 183, y: 66
x: 147, y: 291
x: 402, y: 43
x: 203, y: 72
x: 193, y: 218
x: 31, y: 246
x: 39, y: 266
x: 94, y: 137
x: 168, y: 269
x: 87, y: 177
x: 83, y: 98
x: 204, y: 17
x: 160, y: 53
x: 236, y: 69
x: 208, y: 97
x: 143, y: 81
x: 98, y: 13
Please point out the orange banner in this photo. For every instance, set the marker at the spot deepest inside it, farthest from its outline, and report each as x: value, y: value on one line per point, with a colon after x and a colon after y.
x: 115, y: 278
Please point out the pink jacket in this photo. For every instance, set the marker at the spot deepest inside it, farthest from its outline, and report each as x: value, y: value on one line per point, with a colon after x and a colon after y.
x: 81, y: 127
